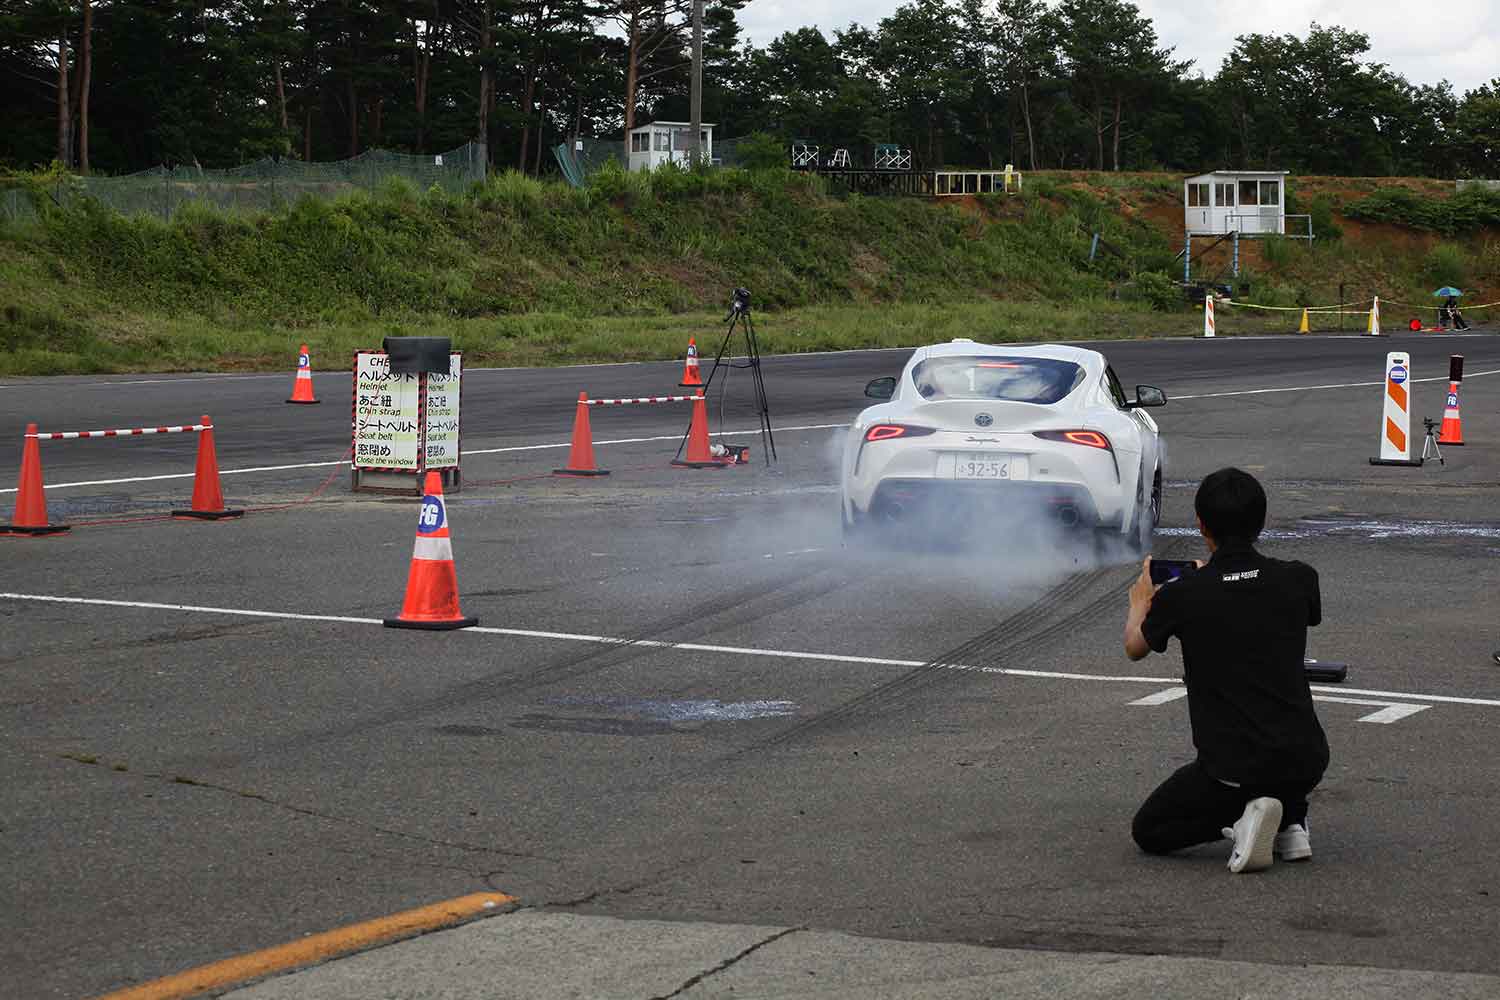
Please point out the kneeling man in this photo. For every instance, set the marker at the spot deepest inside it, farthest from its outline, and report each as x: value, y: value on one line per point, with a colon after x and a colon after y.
x: 1242, y: 621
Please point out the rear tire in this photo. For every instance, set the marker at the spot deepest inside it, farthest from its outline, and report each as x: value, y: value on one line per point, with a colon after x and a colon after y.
x: 1147, y: 517
x: 849, y: 531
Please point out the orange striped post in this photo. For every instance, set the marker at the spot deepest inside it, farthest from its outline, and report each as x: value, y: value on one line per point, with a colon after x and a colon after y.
x: 1395, y: 429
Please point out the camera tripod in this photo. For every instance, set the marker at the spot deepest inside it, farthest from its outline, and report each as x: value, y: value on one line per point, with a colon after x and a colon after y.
x: 1430, y: 447
x: 739, y: 316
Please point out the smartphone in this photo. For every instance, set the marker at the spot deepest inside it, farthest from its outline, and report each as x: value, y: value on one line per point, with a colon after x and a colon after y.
x: 1163, y: 570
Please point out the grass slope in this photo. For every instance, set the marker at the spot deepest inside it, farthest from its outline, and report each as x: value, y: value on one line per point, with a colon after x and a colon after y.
x: 522, y: 272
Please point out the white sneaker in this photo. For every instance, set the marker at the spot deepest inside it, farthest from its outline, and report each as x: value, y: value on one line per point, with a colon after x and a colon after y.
x: 1293, y: 843
x: 1254, y: 835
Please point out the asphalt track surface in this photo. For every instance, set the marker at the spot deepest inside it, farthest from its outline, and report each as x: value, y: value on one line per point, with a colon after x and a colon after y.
x: 941, y: 748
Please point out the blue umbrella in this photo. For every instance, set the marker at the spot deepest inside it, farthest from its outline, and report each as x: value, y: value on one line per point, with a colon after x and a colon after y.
x: 1446, y: 291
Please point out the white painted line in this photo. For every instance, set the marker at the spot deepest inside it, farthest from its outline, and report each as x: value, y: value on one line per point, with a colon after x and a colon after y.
x: 786, y: 654
x: 58, y: 385
x: 1392, y: 713
x: 1162, y: 697
x: 690, y: 647
x: 1389, y: 711
x: 467, y: 451
x: 147, y: 605
x: 1440, y: 698
x: 1313, y: 388
x: 182, y: 475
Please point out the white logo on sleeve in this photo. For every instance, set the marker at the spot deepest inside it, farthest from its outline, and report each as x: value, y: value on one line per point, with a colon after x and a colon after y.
x: 1249, y: 574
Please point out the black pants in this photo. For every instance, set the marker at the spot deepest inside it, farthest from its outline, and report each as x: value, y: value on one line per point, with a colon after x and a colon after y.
x: 1192, y: 807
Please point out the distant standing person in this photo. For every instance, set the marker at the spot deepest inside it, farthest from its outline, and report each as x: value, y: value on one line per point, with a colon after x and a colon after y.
x: 1242, y: 621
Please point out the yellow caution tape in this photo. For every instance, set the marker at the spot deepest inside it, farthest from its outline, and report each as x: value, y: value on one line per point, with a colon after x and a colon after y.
x: 1311, y: 309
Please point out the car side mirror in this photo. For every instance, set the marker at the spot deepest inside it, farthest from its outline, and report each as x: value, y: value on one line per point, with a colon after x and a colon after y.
x: 881, y: 388
x: 1148, y: 395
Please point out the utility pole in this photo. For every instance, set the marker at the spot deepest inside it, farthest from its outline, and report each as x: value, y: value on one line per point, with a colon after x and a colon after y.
x: 695, y: 99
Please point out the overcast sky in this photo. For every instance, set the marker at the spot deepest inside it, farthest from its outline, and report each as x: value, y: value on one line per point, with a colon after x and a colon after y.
x: 1456, y: 40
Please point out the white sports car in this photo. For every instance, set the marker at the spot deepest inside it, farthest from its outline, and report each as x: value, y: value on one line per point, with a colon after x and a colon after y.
x: 980, y: 431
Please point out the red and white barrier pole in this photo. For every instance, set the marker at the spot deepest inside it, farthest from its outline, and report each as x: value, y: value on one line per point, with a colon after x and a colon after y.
x: 640, y: 399
x: 120, y: 432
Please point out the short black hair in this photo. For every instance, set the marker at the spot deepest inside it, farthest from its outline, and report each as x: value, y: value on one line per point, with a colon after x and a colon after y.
x: 1232, y: 506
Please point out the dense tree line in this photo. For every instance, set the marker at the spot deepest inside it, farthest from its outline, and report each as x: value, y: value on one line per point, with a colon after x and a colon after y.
x: 118, y: 85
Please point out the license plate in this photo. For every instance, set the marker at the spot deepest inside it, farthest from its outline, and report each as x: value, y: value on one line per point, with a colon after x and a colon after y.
x: 988, y: 465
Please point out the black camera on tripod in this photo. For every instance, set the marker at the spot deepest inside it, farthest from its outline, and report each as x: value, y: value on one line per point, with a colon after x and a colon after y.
x: 740, y: 303
x: 1429, y: 423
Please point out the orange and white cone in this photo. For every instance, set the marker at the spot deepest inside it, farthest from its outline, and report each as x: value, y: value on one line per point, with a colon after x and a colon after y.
x: 581, y: 454
x: 1453, y: 428
x: 432, y: 584
x: 699, y: 453
x: 302, y: 388
x: 31, y: 499
x: 208, y: 498
x: 690, y: 376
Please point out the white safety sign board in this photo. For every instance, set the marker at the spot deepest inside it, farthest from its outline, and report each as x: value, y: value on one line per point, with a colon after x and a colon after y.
x: 441, y: 415
x: 385, y: 414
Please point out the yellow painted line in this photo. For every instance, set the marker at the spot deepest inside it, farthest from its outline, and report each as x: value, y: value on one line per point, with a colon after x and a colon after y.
x: 315, y: 948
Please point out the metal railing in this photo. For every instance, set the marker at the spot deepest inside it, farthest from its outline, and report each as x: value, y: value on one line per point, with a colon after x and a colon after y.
x: 1280, y: 220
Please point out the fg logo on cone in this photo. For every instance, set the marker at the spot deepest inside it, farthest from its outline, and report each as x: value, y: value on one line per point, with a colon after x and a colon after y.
x: 433, y: 516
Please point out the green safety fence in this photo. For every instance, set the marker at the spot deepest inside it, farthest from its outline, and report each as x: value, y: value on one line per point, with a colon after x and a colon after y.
x: 266, y: 185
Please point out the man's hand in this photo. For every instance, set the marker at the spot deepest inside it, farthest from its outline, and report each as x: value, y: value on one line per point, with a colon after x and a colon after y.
x: 1143, y: 589
x: 1141, y: 593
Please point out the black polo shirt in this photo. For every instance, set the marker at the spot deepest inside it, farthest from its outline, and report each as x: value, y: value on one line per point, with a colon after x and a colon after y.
x: 1242, y: 621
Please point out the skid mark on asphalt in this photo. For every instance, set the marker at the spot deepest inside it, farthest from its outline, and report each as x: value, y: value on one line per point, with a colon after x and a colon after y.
x: 643, y: 645
x: 748, y: 604
x: 1021, y: 634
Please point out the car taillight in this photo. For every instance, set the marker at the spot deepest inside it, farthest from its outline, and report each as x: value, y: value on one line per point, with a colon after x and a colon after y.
x: 888, y: 432
x: 1089, y: 439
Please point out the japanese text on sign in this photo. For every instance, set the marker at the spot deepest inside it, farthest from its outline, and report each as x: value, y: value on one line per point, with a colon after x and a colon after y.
x: 442, y: 415
x: 385, y: 415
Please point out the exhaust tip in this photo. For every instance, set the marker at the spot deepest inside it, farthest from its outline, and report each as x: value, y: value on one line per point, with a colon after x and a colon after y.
x: 1067, y: 515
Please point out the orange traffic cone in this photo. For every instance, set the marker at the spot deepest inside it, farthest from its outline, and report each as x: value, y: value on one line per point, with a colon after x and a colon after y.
x: 208, y: 499
x: 699, y: 454
x: 1453, y: 428
x: 690, y: 367
x: 31, y: 500
x: 302, y: 388
x: 432, y: 585
x: 581, y: 456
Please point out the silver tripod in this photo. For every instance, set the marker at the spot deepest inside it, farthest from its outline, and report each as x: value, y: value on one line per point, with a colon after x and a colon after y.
x: 1430, y: 447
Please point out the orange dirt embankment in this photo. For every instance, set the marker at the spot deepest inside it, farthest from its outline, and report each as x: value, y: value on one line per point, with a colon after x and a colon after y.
x: 1376, y: 256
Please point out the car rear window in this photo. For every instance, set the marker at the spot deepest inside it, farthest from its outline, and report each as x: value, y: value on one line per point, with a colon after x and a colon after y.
x: 1020, y: 380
